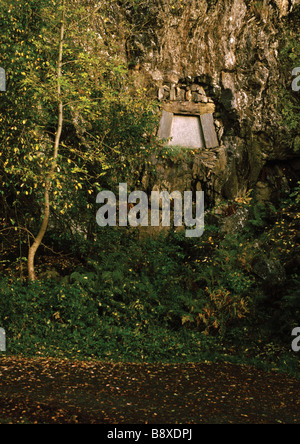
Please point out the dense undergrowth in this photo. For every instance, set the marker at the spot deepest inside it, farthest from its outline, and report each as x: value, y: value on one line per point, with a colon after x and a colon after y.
x: 232, y: 297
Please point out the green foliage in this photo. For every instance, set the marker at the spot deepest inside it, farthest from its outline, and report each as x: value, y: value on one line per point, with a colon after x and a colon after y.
x: 290, y: 50
x: 295, y: 196
x: 107, y: 127
x: 75, y: 320
x: 289, y: 111
x: 289, y: 59
x: 170, y: 298
x: 167, y: 299
x: 261, y: 214
x: 176, y: 153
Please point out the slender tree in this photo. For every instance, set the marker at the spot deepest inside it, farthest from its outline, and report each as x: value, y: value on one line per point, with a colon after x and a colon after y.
x: 49, y: 178
x: 72, y: 113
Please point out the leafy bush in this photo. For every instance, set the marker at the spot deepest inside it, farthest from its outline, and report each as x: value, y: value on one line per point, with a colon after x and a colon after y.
x: 170, y: 298
x: 69, y: 320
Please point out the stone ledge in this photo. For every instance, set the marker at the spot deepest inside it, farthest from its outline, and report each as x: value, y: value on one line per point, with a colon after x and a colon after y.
x: 189, y: 108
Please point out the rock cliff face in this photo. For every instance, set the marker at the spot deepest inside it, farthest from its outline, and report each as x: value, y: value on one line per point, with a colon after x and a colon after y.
x: 226, y: 53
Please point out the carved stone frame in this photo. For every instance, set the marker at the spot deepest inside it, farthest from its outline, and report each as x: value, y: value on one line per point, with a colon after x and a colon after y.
x: 202, y: 110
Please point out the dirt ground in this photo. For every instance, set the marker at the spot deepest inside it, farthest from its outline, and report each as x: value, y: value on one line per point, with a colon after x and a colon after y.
x: 53, y: 391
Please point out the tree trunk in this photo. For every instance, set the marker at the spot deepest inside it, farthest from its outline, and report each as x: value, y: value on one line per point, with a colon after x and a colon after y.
x: 48, y: 182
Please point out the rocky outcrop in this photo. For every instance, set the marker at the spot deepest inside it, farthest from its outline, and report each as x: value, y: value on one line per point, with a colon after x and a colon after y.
x: 226, y: 53
x: 222, y: 58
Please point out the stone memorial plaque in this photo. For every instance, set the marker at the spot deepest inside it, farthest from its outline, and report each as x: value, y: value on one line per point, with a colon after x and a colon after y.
x: 165, y: 125
x: 2, y: 80
x: 186, y: 132
x: 209, y: 131
x: 189, y: 125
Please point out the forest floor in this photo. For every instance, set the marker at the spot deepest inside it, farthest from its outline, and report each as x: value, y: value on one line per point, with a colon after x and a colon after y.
x: 56, y: 391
